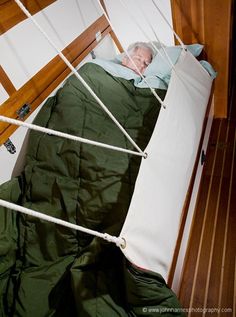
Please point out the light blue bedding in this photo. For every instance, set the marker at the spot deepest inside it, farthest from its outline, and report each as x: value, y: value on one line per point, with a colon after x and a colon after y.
x: 116, y: 69
x: 158, y: 73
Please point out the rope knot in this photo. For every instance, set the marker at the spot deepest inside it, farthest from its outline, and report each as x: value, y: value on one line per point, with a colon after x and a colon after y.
x: 118, y: 241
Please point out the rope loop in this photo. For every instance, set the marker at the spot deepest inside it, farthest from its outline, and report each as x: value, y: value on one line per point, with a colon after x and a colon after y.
x: 117, y: 240
x: 27, y: 13
x: 131, y: 59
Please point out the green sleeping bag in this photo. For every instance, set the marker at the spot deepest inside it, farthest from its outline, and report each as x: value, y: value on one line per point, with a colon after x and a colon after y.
x: 50, y: 270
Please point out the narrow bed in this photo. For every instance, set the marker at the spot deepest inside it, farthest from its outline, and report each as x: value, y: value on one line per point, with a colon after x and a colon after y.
x: 50, y: 270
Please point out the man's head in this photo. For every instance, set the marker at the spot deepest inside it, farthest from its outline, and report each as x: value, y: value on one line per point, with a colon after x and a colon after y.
x: 141, y: 53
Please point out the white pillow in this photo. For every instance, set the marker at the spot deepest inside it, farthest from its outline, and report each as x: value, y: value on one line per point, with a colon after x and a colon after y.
x: 161, y: 67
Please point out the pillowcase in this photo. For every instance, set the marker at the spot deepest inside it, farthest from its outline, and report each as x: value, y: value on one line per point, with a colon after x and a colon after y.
x: 161, y: 67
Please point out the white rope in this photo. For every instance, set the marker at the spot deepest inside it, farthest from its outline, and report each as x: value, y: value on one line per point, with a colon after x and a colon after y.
x: 27, y: 13
x: 143, y: 12
x: 68, y: 136
x: 117, y: 240
x: 157, y: 38
x: 166, y: 20
x: 132, y: 61
x: 147, y: 36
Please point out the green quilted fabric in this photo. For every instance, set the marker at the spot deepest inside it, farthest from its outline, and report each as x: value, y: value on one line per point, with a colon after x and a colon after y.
x: 50, y: 270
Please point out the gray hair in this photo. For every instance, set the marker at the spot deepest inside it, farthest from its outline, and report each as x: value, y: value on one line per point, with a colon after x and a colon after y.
x: 137, y: 45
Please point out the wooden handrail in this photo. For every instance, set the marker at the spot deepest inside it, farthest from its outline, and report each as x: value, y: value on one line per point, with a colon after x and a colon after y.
x: 39, y: 87
x: 11, y: 14
x: 6, y: 82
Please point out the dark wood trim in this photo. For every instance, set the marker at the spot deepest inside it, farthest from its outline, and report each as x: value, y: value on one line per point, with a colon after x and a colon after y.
x: 208, y: 278
x: 38, y: 88
x: 188, y: 195
x: 6, y: 82
x: 116, y: 41
x: 104, y: 6
x: 188, y: 20
x: 11, y: 14
x: 209, y: 23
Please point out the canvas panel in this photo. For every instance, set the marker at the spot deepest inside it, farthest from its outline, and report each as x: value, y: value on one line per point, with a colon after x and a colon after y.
x: 152, y: 224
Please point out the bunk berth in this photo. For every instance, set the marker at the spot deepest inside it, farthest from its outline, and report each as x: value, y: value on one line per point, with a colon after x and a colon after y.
x: 47, y: 269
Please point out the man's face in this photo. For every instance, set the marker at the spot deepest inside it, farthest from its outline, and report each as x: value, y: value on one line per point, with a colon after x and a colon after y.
x: 142, y: 57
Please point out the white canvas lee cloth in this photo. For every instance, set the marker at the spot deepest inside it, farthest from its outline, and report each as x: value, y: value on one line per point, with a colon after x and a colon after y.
x: 154, y: 216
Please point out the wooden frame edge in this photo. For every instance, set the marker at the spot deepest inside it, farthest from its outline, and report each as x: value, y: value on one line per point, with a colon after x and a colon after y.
x: 6, y: 82
x: 113, y: 35
x: 39, y: 87
x: 11, y: 14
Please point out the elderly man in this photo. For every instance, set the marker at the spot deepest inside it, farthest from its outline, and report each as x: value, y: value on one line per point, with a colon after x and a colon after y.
x: 141, y: 54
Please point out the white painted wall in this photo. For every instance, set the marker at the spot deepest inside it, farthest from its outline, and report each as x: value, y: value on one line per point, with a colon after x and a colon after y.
x: 24, y: 50
x: 139, y: 20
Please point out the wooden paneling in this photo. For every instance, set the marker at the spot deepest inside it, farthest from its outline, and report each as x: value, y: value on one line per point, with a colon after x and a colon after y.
x: 188, y: 20
x: 49, y: 77
x: 209, y: 270
x: 11, y: 14
x: 6, y: 82
x: 208, y: 22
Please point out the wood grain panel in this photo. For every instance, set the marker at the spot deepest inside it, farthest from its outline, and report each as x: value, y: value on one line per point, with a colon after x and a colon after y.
x: 208, y: 230
x: 198, y: 220
x: 217, y: 34
x: 49, y: 77
x: 227, y: 296
x: 6, y: 82
x: 210, y: 23
x: 188, y: 20
x: 213, y: 292
x: 209, y: 270
x: 11, y: 14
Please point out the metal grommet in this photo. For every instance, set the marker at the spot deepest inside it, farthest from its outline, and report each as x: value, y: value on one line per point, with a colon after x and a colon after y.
x: 123, y: 245
x: 145, y: 155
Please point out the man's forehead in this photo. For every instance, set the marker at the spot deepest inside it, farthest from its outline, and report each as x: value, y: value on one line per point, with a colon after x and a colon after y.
x: 143, y: 51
